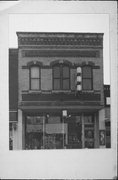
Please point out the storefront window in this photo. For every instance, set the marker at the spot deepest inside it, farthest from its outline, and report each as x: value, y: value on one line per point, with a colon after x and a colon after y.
x: 57, y: 132
x: 53, y: 132
x: 45, y: 132
x: 34, y: 132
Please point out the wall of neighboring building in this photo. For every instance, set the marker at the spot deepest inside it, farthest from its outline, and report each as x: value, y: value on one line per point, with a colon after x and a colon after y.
x: 13, y: 96
x: 13, y: 79
x: 107, y: 115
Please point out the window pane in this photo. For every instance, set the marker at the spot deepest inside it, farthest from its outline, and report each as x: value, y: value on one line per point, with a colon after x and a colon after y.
x: 54, y: 120
x: 35, y: 84
x: 56, y: 71
x: 34, y: 72
x: 56, y: 84
x: 86, y: 72
x: 65, y: 72
x: 87, y: 85
x: 66, y: 84
x: 88, y: 119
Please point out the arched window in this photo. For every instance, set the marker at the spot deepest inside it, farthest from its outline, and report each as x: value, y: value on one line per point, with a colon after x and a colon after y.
x: 35, y: 78
x: 87, y: 78
x: 61, y: 77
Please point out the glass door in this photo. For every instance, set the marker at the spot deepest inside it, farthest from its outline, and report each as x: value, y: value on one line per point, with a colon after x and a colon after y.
x: 74, y: 132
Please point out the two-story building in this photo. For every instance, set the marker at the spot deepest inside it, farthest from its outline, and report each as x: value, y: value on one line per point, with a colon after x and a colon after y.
x: 60, y: 91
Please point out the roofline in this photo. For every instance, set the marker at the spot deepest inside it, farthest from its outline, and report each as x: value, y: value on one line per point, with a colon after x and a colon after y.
x: 13, y: 48
x: 64, y: 33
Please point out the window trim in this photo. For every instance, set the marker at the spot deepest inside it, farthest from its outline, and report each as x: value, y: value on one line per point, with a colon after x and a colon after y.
x: 88, y: 78
x: 34, y: 78
x: 61, y: 76
x: 56, y: 65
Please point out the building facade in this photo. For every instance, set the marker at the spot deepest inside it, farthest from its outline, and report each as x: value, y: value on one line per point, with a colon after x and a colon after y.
x: 60, y: 97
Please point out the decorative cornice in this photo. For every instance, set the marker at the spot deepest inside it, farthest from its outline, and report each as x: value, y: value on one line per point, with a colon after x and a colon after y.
x: 60, y: 53
x: 63, y: 97
x: 59, y: 34
x: 65, y: 40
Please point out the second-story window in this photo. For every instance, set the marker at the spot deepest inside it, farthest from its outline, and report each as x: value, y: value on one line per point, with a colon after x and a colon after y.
x: 61, y: 77
x: 87, y: 78
x: 35, y: 78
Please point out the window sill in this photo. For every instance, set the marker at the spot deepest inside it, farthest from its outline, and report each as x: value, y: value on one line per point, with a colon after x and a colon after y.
x: 88, y: 91
x: 34, y: 91
x: 61, y: 91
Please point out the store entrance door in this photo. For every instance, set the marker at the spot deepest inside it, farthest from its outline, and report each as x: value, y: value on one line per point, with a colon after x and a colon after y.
x: 74, y: 132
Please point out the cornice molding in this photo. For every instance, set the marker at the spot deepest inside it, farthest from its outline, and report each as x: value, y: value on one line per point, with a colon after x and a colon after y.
x: 55, y: 40
x: 59, y: 34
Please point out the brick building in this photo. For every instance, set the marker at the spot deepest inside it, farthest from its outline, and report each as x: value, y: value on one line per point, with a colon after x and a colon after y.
x: 58, y: 91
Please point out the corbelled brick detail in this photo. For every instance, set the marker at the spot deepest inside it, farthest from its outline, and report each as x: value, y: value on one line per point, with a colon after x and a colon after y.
x: 52, y: 40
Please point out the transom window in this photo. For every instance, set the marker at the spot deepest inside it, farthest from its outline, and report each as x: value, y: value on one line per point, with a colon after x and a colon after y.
x: 35, y: 78
x: 61, y: 77
x: 87, y: 78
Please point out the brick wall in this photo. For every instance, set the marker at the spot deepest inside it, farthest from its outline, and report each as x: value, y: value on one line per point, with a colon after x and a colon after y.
x: 46, y: 74
x: 13, y: 79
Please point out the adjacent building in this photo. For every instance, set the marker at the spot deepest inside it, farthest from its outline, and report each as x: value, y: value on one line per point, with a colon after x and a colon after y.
x: 107, y: 115
x: 57, y: 91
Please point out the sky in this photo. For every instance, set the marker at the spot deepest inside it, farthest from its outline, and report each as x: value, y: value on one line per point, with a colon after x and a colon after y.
x: 96, y: 23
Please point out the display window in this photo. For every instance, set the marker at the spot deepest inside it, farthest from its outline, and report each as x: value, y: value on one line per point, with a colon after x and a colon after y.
x: 56, y: 132
x: 45, y: 132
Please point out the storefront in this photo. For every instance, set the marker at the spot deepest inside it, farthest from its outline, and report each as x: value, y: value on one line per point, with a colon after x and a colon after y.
x: 55, y: 131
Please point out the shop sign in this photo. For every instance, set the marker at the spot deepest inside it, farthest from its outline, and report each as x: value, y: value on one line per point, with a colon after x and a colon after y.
x: 56, y: 128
